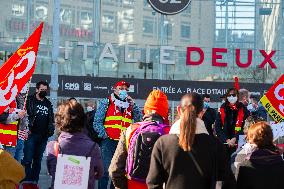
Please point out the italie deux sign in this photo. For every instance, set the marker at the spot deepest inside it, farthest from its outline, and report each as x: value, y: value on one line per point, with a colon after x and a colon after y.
x: 168, y: 55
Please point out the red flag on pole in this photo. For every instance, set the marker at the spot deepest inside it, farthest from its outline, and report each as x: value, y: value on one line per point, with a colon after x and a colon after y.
x: 237, y: 85
x: 18, y: 69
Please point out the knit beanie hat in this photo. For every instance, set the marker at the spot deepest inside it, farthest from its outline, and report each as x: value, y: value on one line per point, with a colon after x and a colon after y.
x: 157, y: 102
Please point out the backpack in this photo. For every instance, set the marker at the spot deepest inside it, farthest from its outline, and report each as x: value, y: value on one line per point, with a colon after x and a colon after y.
x: 141, y: 143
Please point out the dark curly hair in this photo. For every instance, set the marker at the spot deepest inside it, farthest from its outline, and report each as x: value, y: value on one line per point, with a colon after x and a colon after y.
x: 70, y: 117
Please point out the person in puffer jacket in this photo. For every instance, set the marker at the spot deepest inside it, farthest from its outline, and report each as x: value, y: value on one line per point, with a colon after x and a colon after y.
x: 11, y: 172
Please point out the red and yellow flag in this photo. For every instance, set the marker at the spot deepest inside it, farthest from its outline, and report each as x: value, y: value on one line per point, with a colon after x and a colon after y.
x: 18, y: 69
x: 273, y: 100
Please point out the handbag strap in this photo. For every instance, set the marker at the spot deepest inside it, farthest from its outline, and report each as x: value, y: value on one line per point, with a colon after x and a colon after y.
x: 195, y: 163
x: 56, y: 148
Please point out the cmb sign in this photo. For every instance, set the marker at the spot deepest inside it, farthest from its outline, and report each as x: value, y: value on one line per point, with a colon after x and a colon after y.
x: 169, y: 6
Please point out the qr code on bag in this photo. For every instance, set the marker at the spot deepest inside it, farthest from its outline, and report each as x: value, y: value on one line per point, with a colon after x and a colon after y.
x: 72, y: 175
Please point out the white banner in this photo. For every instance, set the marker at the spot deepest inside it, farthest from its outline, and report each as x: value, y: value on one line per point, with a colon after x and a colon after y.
x: 72, y: 172
x: 277, y: 129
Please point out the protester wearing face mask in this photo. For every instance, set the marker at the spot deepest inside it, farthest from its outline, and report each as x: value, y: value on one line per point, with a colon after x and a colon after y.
x: 255, y: 107
x: 208, y: 114
x: 230, y: 120
x: 90, y: 114
x: 114, y: 114
x: 41, y: 127
x: 244, y: 98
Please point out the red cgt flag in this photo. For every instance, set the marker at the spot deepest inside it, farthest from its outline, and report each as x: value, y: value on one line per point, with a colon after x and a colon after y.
x: 18, y: 69
x: 273, y: 100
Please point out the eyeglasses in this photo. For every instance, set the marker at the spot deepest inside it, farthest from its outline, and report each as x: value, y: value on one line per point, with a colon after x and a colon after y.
x: 233, y: 95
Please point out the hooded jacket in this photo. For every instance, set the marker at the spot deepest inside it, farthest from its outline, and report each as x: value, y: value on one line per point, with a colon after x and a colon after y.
x: 263, y: 169
x: 11, y: 172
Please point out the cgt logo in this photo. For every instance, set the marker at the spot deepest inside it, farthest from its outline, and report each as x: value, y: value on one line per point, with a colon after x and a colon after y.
x: 279, y: 95
x: 169, y: 7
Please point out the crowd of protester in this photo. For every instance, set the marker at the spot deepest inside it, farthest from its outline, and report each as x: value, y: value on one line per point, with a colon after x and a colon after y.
x: 138, y: 150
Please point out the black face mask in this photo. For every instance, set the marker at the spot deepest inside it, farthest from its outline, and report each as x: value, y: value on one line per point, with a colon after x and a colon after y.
x: 42, y: 94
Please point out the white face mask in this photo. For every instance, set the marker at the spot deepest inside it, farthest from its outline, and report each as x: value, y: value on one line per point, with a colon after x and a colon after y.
x: 89, y: 108
x: 232, y: 99
x: 249, y: 148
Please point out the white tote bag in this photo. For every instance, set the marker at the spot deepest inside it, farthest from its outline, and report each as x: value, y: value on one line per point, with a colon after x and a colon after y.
x: 72, y: 172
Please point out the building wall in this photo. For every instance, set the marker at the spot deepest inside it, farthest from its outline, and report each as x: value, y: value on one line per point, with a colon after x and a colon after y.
x: 122, y: 22
x: 270, y: 32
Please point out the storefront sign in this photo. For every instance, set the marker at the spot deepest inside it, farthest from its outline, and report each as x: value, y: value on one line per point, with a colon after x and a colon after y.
x: 169, y: 6
x: 273, y: 100
x: 168, y: 55
x: 101, y: 87
x: 218, y: 53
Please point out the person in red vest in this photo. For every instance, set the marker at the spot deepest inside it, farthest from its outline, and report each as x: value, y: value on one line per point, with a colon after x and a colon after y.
x: 114, y: 114
x: 9, y: 126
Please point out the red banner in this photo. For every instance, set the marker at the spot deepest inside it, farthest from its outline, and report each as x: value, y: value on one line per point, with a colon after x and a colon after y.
x: 18, y: 69
x: 273, y: 100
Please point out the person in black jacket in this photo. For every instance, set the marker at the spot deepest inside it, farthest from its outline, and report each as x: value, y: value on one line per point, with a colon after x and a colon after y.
x: 230, y: 120
x: 188, y: 157
x: 264, y: 167
x: 41, y: 127
x: 90, y: 114
x: 209, y: 114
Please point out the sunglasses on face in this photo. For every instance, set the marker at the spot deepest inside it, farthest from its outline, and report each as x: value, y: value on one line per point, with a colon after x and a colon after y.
x: 233, y: 95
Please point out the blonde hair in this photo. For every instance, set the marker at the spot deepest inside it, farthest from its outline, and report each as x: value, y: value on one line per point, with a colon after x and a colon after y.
x: 261, y: 134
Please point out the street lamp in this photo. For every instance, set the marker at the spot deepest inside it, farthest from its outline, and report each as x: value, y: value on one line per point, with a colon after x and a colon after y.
x: 145, y: 65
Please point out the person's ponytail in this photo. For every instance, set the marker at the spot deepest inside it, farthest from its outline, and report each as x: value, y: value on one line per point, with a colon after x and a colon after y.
x: 187, y: 127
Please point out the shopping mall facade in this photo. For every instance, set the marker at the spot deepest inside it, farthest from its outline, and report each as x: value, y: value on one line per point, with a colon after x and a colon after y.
x: 102, y: 41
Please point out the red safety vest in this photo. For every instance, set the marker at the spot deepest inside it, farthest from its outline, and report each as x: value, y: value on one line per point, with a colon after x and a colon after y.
x: 116, y: 122
x: 9, y: 132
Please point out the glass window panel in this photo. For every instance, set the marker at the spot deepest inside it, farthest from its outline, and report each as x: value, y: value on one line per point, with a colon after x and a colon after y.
x: 185, y: 31
x: 18, y: 10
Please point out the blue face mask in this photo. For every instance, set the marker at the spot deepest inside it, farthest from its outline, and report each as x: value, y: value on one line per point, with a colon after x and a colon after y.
x: 206, y: 105
x: 123, y: 94
x: 251, y: 108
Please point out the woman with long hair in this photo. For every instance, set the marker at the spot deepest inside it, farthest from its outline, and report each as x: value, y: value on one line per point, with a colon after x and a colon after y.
x: 188, y: 157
